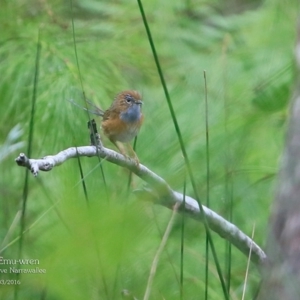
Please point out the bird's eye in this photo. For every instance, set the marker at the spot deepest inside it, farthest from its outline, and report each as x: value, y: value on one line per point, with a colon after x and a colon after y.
x: 128, y: 98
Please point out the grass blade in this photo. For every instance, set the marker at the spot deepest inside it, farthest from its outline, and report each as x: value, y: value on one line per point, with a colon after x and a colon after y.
x: 29, y: 151
x: 85, y: 103
x: 183, y: 150
x: 248, y: 264
x: 182, y: 242
x: 207, y: 187
x: 159, y: 252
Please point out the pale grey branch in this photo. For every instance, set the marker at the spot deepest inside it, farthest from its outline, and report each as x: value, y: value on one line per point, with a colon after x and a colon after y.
x: 159, y: 191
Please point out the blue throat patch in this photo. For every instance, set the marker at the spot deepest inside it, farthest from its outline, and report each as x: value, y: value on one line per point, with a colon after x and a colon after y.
x: 132, y: 114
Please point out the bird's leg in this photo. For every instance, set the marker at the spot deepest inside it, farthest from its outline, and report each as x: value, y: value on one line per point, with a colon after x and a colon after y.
x: 135, y: 157
x: 120, y: 147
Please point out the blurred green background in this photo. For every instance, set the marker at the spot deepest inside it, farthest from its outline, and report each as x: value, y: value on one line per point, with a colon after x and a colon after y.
x: 95, y: 250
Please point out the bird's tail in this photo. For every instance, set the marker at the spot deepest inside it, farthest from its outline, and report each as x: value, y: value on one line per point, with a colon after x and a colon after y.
x: 97, y: 111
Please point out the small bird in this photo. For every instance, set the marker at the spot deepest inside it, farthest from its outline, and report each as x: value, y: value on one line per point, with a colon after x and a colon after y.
x: 123, y: 119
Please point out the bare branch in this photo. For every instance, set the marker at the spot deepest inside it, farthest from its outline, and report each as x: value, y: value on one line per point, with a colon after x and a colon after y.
x: 158, y: 190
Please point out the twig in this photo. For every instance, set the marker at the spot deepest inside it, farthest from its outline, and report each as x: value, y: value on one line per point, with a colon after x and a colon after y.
x: 158, y: 253
x: 248, y: 264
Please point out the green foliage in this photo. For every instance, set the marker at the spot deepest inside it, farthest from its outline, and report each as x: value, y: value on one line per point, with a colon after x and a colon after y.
x: 94, y: 248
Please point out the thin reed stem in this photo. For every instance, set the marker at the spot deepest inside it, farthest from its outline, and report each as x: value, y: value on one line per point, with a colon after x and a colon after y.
x: 29, y: 150
x: 159, y: 252
x: 183, y: 150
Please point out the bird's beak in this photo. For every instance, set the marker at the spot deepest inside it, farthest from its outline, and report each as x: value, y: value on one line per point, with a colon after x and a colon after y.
x: 139, y: 102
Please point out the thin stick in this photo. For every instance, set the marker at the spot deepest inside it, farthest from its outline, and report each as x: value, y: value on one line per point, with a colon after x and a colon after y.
x: 158, y: 253
x: 248, y: 264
